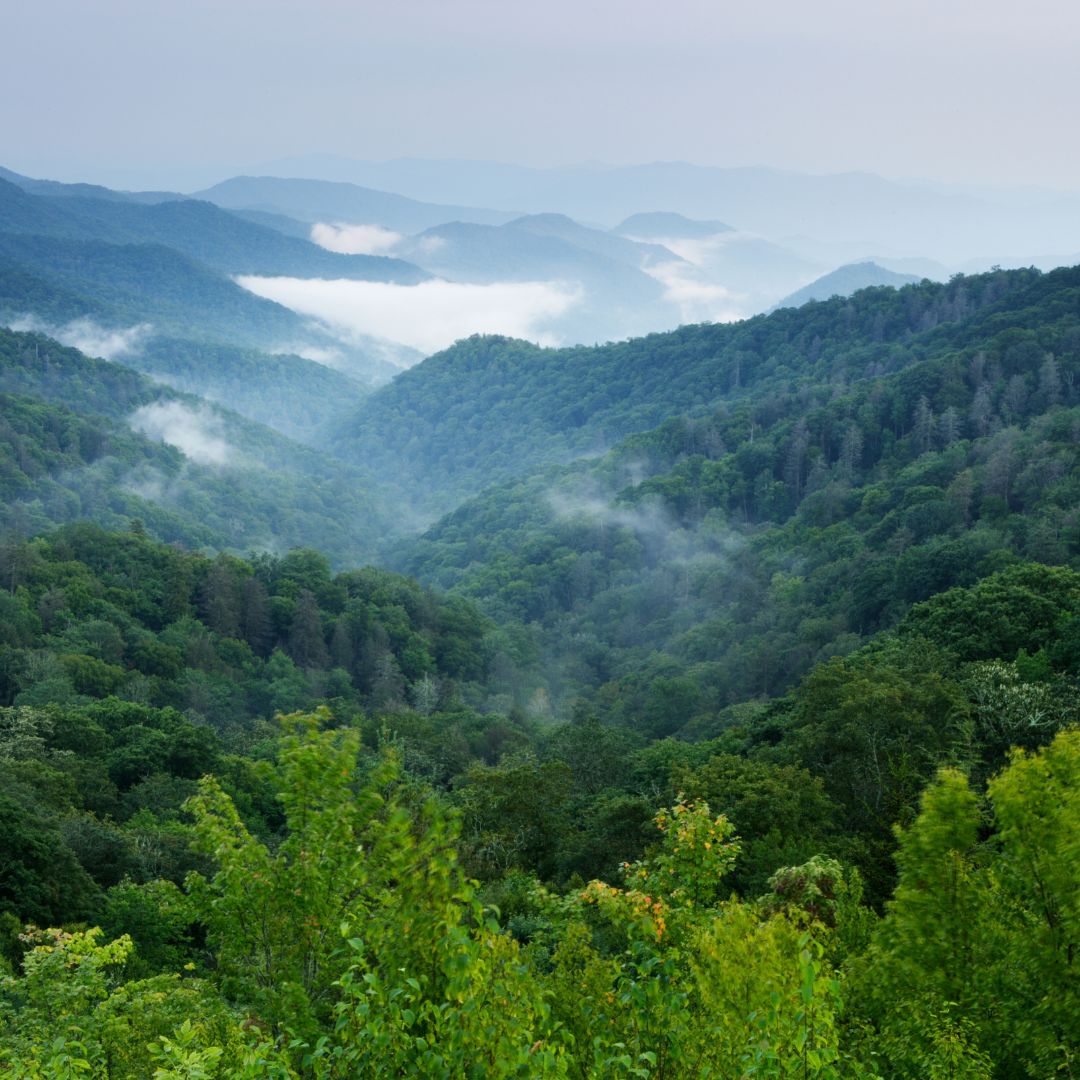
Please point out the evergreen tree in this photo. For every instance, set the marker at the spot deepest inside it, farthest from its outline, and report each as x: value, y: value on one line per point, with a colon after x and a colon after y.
x: 220, y: 600
x: 923, y: 425
x: 1049, y: 391
x: 307, y: 645
x: 255, y: 618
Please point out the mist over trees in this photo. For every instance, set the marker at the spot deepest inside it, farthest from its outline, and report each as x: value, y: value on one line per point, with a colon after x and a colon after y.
x: 702, y: 704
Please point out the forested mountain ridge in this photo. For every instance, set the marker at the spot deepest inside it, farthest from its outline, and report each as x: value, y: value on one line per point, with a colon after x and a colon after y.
x: 253, y: 382
x: 732, y: 551
x: 148, y: 282
x: 491, y: 408
x: 60, y: 189
x: 165, y: 270
x: 160, y: 294
x: 86, y: 438
x: 293, y: 395
x: 198, y: 229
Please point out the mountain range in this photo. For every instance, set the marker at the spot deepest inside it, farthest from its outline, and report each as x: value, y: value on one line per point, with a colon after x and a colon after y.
x: 948, y: 223
x: 723, y: 504
x: 322, y: 200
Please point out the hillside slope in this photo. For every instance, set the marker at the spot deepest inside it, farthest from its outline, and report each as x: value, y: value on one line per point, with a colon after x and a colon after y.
x: 197, y: 229
x: 140, y: 282
x: 490, y: 408
x: 84, y: 438
x: 725, y: 553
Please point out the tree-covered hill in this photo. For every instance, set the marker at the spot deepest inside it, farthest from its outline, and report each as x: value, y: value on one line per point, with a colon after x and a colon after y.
x: 166, y: 268
x: 298, y: 397
x: 200, y: 230
x: 490, y: 408
x: 150, y: 282
x: 86, y: 438
x: 730, y: 552
x: 295, y: 395
x: 746, y: 748
x: 24, y: 293
x: 51, y: 283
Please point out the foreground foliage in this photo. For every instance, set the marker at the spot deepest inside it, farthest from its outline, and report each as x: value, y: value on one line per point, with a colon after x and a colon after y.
x: 357, y: 946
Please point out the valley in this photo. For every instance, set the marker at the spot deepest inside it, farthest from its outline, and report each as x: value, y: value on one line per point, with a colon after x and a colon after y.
x: 508, y: 625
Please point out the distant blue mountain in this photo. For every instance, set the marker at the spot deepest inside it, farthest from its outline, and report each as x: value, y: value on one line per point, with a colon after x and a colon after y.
x: 200, y: 230
x: 323, y: 200
x: 846, y: 280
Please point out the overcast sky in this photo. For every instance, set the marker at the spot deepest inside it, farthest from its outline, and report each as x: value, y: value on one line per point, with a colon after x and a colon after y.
x: 180, y: 94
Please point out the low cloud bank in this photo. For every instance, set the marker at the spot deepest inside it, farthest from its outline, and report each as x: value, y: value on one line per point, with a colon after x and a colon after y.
x: 89, y: 337
x: 328, y: 356
x: 690, y: 286
x: 730, y: 275
x: 196, y: 433
x: 706, y: 546
x: 429, y: 316
x: 698, y: 299
x: 355, y: 239
x: 372, y: 240
x: 649, y: 519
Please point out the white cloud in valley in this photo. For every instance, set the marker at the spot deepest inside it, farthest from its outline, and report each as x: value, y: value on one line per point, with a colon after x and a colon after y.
x: 197, y: 433
x: 729, y: 275
x: 649, y: 518
x: 697, y: 298
x: 698, y: 250
x: 707, y: 544
x: 429, y: 316
x: 352, y: 239
x: 355, y: 239
x: 90, y: 337
x: 326, y: 355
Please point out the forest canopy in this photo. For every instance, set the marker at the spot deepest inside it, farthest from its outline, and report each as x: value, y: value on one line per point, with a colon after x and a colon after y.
x: 730, y: 730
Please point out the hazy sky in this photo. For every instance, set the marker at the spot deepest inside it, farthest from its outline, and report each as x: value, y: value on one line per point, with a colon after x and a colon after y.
x: 973, y: 90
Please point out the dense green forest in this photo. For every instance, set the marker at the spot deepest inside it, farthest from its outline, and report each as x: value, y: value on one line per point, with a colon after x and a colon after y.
x: 292, y: 395
x: 730, y: 551
x: 451, y: 847
x: 728, y: 728
x: 68, y: 451
x: 490, y: 409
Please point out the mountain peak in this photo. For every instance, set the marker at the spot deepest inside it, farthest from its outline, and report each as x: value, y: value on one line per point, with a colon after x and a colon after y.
x: 665, y: 224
